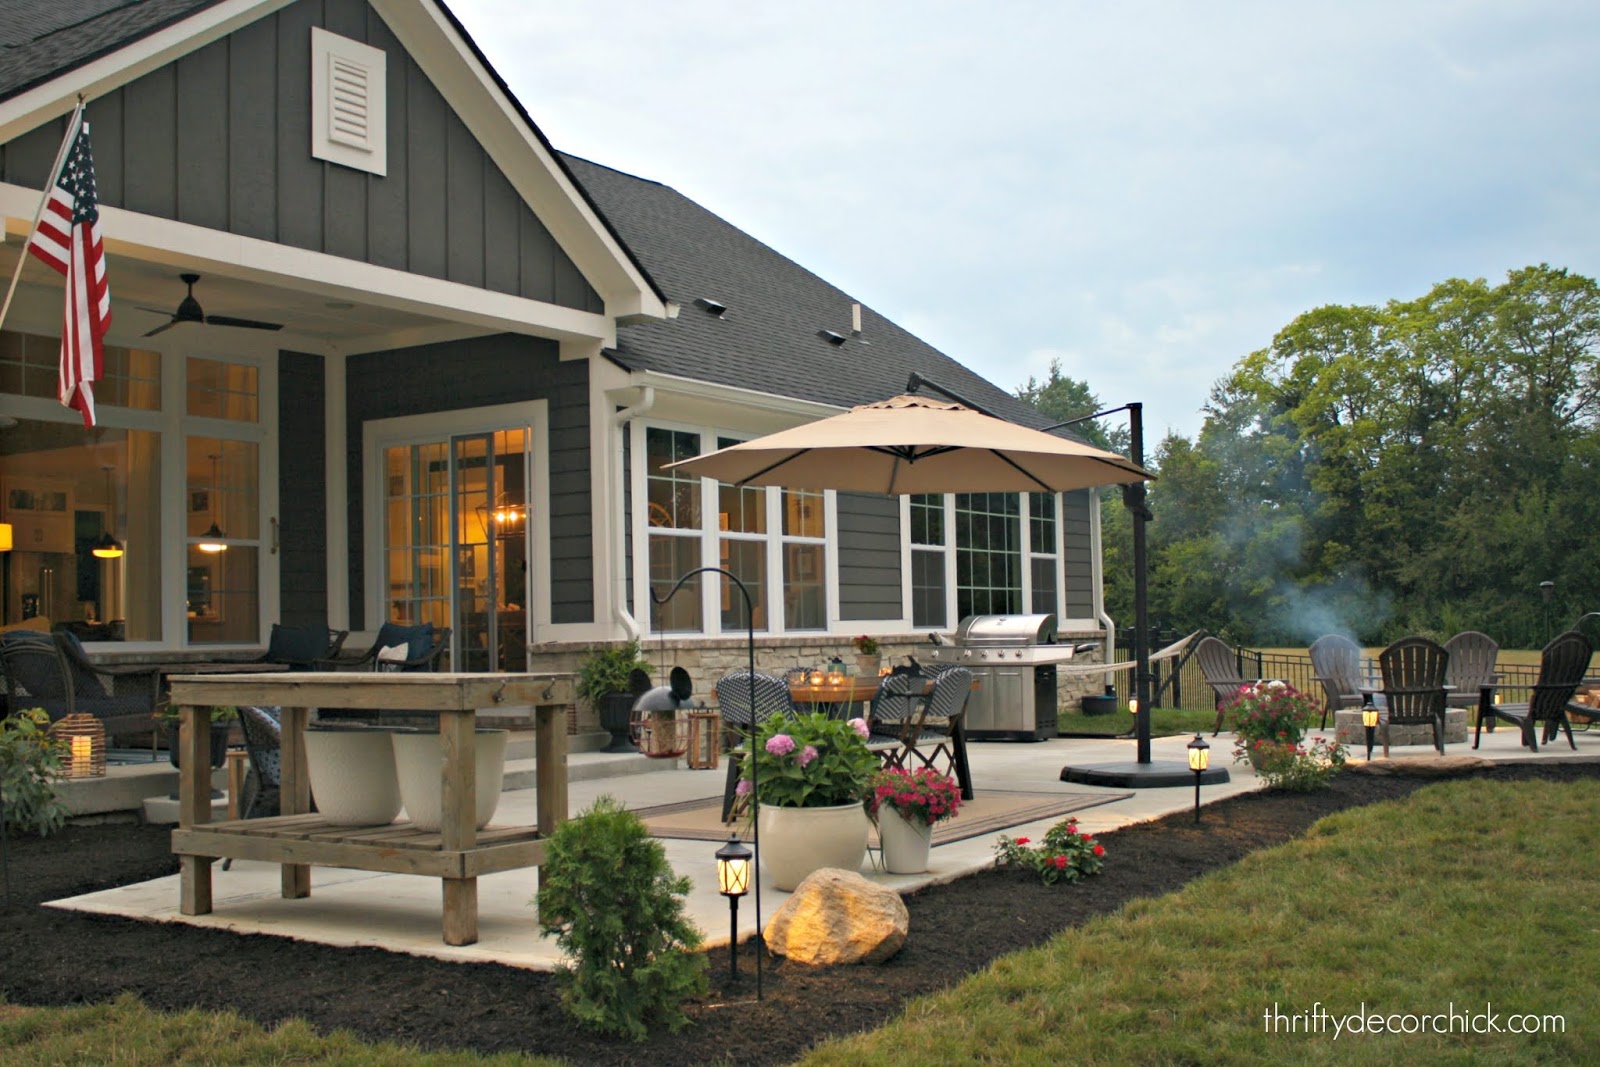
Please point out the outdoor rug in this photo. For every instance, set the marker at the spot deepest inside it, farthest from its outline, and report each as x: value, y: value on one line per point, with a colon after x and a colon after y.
x: 989, y: 810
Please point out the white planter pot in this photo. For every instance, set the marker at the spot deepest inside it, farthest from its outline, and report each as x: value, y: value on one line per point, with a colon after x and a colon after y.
x: 905, y: 842
x: 797, y: 841
x: 419, y: 763
x: 352, y: 776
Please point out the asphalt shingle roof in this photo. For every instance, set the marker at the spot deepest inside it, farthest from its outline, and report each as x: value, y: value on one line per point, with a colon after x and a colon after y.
x: 767, y: 339
x: 42, y: 39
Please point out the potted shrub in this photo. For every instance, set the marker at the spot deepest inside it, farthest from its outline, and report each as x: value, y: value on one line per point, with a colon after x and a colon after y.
x: 1268, y: 716
x: 868, y: 656
x: 813, y: 772
x: 606, y: 683
x: 222, y: 720
x: 905, y: 805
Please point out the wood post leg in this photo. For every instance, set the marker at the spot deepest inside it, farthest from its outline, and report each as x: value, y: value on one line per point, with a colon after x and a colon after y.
x: 294, y: 792
x: 550, y: 770
x: 460, y: 911
x: 194, y: 885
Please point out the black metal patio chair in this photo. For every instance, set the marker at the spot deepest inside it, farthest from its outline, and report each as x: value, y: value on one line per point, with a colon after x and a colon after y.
x: 1562, y: 665
x: 738, y: 694
x: 937, y: 737
x: 302, y: 648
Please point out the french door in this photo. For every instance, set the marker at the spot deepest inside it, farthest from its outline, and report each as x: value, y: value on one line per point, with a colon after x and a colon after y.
x: 455, y: 544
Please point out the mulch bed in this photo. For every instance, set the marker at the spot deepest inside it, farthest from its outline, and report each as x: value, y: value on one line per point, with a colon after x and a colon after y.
x: 50, y: 957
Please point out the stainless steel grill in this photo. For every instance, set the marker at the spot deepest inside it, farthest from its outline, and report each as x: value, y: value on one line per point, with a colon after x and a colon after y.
x: 1013, y: 657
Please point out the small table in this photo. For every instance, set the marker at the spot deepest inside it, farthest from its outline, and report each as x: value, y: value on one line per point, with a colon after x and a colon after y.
x: 457, y: 854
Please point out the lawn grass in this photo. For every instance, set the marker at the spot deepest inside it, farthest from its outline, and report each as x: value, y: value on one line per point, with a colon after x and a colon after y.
x: 1164, y: 722
x: 126, y: 1032
x: 1467, y: 894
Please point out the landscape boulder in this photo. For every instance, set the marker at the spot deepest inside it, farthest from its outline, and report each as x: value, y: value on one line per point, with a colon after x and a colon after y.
x: 837, y: 916
x: 1421, y: 766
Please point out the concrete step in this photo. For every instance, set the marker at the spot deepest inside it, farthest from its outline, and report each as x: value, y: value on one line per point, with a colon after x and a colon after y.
x: 587, y: 766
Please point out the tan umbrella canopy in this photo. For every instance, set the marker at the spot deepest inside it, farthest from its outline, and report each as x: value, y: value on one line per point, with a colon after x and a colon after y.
x: 916, y: 444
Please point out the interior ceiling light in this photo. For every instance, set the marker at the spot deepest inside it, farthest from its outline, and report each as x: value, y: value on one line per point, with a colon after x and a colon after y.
x: 211, y: 540
x: 834, y: 339
x: 106, y: 546
x: 711, y: 307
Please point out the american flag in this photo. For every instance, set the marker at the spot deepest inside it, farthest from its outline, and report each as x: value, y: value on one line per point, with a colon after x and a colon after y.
x: 68, y: 238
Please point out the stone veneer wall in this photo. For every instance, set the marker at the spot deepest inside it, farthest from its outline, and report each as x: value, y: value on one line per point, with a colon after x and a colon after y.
x: 707, y: 659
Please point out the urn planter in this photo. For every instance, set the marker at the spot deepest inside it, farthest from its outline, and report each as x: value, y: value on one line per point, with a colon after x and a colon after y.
x: 352, y: 775
x: 797, y: 841
x: 419, y: 763
x: 905, y: 842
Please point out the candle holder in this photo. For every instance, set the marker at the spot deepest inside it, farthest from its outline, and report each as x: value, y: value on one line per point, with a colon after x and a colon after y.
x: 83, y: 743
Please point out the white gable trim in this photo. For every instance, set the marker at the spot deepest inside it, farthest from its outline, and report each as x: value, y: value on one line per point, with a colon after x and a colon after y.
x: 434, y: 43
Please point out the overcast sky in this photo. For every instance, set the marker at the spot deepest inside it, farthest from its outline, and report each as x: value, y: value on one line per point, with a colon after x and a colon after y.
x: 1146, y: 191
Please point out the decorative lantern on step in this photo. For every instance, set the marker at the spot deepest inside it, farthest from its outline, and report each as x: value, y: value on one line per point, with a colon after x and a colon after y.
x: 83, y: 746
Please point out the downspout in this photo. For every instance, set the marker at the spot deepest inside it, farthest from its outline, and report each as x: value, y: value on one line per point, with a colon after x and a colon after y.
x: 619, y: 423
x: 1097, y: 570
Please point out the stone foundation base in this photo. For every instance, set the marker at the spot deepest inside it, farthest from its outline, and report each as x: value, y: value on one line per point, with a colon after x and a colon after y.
x: 1353, y: 734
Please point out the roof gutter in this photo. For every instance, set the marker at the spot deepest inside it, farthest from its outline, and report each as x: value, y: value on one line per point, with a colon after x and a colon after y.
x: 615, y: 515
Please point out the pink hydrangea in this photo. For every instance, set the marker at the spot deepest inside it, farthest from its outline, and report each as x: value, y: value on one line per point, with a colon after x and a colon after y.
x: 807, y: 754
x: 743, y: 788
x: 780, y: 744
x: 860, y: 726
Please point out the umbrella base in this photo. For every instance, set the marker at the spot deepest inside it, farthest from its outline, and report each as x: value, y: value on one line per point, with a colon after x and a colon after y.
x: 1142, y: 775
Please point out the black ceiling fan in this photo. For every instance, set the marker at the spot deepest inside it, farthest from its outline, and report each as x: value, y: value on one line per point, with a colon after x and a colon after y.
x: 189, y: 311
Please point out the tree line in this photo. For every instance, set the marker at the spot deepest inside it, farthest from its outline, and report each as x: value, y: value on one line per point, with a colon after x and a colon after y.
x: 1420, y: 467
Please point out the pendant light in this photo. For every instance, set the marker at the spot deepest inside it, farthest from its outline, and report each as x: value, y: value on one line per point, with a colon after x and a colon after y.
x: 211, y: 540
x: 106, y: 546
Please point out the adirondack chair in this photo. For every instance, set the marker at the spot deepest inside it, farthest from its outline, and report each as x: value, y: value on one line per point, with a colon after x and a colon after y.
x: 1472, y: 659
x: 1337, y: 661
x: 1562, y: 666
x: 1413, y: 687
x: 1220, y: 666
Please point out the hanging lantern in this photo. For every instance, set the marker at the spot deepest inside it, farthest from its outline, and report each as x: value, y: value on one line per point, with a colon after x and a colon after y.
x: 83, y: 746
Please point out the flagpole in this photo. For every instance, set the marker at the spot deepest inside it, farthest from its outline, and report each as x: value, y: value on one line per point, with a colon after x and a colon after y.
x: 55, y: 173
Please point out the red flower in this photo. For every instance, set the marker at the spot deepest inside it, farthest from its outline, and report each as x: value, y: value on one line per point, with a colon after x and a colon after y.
x: 1099, y: 850
x: 1022, y: 840
x: 1060, y: 862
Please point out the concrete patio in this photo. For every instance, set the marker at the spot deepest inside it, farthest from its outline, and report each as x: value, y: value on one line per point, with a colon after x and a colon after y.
x: 401, y: 913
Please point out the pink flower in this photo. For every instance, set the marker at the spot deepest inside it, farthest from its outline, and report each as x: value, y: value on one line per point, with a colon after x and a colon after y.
x: 780, y: 744
x: 743, y: 788
x: 860, y: 726
x: 807, y: 754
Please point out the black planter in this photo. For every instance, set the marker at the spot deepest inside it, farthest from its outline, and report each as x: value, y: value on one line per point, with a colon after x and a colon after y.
x: 616, y: 715
x: 1099, y: 705
x: 219, y: 748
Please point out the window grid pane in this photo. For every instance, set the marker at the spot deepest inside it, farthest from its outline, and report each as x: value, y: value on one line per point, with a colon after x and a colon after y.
x: 927, y: 589
x: 673, y: 497
x: 988, y: 554
x: 747, y: 560
x: 927, y: 519
x: 804, y: 598
x: 219, y: 390
x: 1042, y: 523
x: 670, y: 558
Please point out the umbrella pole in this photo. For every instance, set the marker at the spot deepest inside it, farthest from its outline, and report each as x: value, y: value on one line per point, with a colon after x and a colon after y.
x: 1141, y: 593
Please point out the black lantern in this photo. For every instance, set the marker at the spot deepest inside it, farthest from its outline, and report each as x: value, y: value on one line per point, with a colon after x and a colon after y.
x: 1369, y: 720
x: 1199, y: 760
x: 733, y: 882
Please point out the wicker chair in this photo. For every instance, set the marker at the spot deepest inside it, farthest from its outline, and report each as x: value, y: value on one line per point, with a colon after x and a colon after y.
x: 52, y: 671
x: 263, y: 741
x: 1471, y: 667
x: 303, y: 648
x: 936, y: 738
x: 746, y: 701
x: 894, y: 708
x: 1220, y: 665
x: 1413, y: 687
x: 1562, y: 666
x: 1337, y: 661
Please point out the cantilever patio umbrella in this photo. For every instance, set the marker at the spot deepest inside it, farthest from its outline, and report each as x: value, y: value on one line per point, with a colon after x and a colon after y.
x: 916, y: 444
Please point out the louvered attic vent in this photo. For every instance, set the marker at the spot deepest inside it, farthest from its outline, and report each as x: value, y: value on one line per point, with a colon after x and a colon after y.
x: 348, y: 110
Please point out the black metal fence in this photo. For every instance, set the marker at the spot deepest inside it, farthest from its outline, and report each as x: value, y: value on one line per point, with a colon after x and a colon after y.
x: 1179, y: 683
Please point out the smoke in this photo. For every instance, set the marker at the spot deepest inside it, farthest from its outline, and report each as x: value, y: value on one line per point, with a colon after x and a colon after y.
x: 1349, y: 606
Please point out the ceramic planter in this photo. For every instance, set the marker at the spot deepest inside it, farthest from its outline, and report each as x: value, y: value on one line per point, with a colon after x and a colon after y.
x: 797, y: 841
x: 905, y: 842
x: 352, y: 775
x: 419, y: 763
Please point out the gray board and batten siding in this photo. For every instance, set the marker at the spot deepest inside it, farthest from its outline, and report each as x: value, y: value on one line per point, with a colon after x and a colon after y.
x: 302, y: 491
x: 221, y: 138
x: 1076, y: 558
x: 483, y: 371
x: 869, y: 557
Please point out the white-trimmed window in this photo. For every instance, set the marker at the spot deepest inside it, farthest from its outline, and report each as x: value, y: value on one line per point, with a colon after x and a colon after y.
x: 180, y: 448
x: 773, y: 540
x: 981, y: 554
